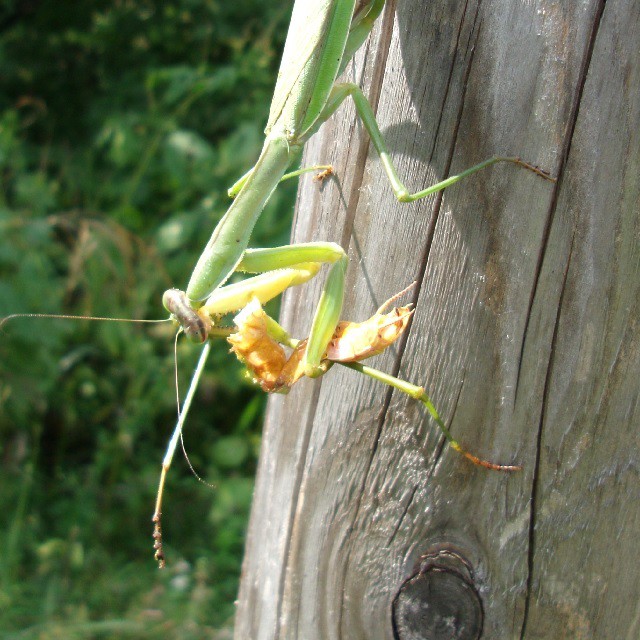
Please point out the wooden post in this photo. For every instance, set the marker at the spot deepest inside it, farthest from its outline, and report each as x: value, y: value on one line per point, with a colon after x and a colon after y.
x: 365, y: 524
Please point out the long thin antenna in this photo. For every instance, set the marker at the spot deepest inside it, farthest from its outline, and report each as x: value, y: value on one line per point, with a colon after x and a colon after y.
x: 63, y: 316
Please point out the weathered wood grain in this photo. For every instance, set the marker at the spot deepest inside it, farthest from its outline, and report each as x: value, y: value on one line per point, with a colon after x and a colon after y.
x: 526, y: 335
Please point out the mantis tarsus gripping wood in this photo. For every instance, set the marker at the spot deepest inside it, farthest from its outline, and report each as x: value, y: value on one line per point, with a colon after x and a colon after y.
x: 323, y: 36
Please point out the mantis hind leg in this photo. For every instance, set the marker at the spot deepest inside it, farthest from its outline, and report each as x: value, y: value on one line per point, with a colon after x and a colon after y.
x: 361, y: 26
x: 418, y: 393
x: 342, y: 91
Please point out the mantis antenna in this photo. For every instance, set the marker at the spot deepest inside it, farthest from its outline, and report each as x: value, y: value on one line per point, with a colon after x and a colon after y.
x: 63, y: 316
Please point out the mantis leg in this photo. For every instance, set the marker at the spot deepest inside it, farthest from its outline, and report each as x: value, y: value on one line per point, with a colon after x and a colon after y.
x: 233, y: 191
x: 171, y: 448
x: 327, y: 313
x: 262, y: 260
x: 281, y: 268
x: 360, y: 28
x: 326, y: 318
x: 341, y: 91
x: 418, y: 393
x: 264, y: 287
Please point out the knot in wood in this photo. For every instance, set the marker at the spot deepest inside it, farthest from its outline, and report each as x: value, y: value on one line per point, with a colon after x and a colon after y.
x: 438, y: 601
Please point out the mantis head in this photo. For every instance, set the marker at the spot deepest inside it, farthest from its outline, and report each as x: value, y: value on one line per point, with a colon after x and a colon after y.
x: 195, y: 326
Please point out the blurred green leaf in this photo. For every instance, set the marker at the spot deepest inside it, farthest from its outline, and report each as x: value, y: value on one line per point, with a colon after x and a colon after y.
x: 121, y: 126
x: 230, y: 451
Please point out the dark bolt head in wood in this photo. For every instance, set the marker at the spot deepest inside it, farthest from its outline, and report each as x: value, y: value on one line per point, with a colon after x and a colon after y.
x: 438, y: 601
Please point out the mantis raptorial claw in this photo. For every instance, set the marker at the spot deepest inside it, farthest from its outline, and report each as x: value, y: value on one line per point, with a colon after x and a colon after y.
x: 265, y: 358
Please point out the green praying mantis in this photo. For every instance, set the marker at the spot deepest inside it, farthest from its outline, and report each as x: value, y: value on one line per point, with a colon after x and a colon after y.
x: 323, y: 36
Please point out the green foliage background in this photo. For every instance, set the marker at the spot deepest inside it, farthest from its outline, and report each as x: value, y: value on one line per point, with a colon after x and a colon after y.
x: 122, y: 123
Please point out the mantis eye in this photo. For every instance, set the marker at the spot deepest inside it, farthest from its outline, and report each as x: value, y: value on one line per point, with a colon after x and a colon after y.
x: 193, y: 325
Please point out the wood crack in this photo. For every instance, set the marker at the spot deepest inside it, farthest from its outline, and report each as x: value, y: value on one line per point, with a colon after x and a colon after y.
x: 402, y: 516
x: 573, y: 119
x: 533, y: 503
x: 347, y: 232
x: 582, y: 78
x: 449, y: 78
x: 437, y: 205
